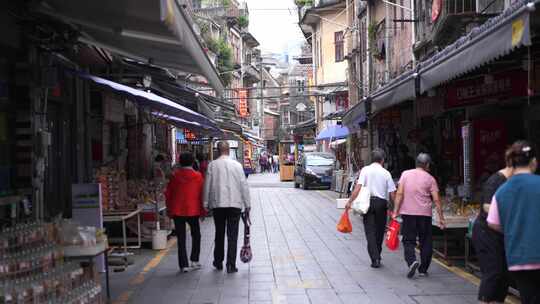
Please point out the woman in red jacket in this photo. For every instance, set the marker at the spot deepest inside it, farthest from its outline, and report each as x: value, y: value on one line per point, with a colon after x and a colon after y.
x: 184, y: 205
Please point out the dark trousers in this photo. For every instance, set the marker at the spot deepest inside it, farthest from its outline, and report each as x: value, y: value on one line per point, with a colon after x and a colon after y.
x: 180, y: 226
x: 413, y: 227
x: 375, y: 226
x: 489, y: 248
x: 226, y: 219
x: 528, y: 282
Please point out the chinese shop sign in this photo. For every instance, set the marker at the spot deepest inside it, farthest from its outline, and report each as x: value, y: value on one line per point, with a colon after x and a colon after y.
x: 494, y: 87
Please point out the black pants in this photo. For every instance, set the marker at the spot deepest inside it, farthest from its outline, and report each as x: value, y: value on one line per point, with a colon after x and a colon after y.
x: 489, y: 248
x: 413, y: 227
x: 528, y: 283
x: 180, y: 226
x: 229, y: 219
x: 375, y: 226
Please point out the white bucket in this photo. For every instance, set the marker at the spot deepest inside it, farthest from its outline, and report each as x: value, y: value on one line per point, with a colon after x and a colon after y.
x: 159, y: 239
x: 341, y: 202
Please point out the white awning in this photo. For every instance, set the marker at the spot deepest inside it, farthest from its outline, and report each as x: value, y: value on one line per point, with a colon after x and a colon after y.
x: 338, y: 142
x: 156, y: 32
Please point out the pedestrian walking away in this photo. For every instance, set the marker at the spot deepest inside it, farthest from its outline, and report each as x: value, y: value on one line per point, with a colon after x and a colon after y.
x: 416, y: 191
x: 183, y: 197
x: 489, y: 244
x: 514, y: 211
x: 270, y: 163
x: 226, y: 194
x: 276, y: 163
x: 381, y: 186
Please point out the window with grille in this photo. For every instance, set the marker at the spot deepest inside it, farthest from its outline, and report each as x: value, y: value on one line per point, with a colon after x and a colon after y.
x: 286, y: 118
x: 339, y: 46
x: 300, y: 84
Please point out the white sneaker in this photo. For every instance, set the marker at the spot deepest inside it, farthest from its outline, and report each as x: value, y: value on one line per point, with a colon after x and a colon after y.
x: 186, y: 269
x: 196, y: 265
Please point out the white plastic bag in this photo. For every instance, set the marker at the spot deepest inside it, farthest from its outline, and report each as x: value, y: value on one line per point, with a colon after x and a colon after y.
x: 361, y: 203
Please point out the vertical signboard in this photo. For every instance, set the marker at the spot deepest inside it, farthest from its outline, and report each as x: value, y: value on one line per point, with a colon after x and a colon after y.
x: 490, y: 140
x: 243, y: 104
x: 87, y: 209
x: 466, y: 130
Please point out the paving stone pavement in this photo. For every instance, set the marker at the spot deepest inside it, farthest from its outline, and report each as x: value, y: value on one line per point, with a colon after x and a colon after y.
x: 299, y: 257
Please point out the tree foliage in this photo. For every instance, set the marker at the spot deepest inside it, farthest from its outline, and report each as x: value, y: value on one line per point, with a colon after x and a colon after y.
x: 243, y: 22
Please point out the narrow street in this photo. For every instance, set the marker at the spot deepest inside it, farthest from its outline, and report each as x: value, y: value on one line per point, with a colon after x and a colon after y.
x: 299, y: 257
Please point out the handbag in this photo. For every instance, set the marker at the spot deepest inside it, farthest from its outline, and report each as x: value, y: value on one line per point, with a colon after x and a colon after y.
x: 245, y: 253
x: 362, y: 201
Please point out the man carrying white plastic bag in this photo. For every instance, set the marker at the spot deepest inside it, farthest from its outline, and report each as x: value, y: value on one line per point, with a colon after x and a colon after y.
x: 370, y: 197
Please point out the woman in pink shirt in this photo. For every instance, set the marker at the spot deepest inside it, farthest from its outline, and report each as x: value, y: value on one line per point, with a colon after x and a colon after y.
x: 416, y: 192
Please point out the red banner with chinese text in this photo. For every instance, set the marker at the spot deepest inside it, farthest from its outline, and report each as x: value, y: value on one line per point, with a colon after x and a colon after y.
x: 243, y: 103
x: 482, y: 89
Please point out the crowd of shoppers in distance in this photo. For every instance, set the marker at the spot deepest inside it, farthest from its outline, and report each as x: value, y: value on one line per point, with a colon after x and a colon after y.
x: 269, y: 162
x: 223, y: 192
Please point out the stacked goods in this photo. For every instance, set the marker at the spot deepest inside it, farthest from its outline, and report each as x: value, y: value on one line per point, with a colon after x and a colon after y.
x: 144, y: 191
x: 457, y: 207
x: 33, y: 270
x: 113, y: 189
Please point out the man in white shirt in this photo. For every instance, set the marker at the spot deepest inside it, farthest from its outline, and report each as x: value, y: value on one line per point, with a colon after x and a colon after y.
x: 382, y: 188
x: 276, y: 163
x: 226, y: 193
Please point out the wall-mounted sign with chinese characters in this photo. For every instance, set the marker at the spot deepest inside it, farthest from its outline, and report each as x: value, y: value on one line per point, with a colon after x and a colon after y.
x: 243, y: 103
x: 189, y: 135
x: 494, y: 87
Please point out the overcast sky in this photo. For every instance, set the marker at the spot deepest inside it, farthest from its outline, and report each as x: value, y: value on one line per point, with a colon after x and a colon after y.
x: 275, y: 27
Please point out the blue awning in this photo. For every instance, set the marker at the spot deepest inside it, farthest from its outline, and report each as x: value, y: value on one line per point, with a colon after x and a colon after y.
x: 333, y: 132
x: 154, y: 102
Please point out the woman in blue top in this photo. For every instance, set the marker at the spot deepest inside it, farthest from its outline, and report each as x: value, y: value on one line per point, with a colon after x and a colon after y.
x: 515, y: 211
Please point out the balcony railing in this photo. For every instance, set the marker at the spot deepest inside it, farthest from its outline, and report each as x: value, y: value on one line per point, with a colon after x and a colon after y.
x: 455, y: 15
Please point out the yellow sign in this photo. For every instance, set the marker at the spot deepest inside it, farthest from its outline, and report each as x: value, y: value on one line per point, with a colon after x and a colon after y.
x: 518, y: 27
x: 168, y: 17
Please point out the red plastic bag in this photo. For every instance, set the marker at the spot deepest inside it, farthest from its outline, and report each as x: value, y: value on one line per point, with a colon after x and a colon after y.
x: 392, y: 235
x: 344, y: 225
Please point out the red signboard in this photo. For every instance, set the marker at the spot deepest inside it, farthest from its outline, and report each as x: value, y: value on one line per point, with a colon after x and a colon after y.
x: 189, y: 135
x: 490, y: 141
x: 487, y: 88
x: 243, y: 104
